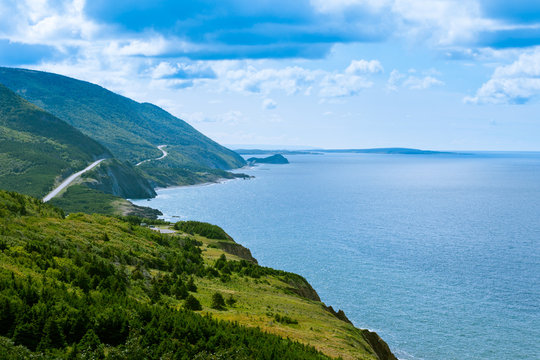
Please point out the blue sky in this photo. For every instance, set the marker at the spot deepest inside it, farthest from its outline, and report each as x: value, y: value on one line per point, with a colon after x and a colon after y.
x: 439, y: 74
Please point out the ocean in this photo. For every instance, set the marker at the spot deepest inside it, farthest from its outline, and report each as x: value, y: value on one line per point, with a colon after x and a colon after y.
x: 439, y: 254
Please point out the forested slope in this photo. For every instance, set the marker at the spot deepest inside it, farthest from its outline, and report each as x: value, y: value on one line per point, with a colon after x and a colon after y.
x: 131, y: 130
x: 92, y: 286
x: 37, y: 149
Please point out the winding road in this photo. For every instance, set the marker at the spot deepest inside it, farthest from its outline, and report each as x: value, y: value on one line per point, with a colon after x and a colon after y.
x: 160, y: 147
x: 70, y: 179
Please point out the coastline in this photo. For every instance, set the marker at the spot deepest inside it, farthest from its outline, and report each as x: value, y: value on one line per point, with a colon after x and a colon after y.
x: 379, y: 346
x: 220, y: 180
x: 208, y: 183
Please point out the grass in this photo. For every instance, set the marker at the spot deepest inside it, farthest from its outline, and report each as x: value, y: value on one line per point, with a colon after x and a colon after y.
x: 81, y: 198
x: 259, y: 300
x: 37, y: 242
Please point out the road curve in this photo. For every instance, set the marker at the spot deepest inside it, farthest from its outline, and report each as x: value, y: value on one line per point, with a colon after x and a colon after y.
x: 160, y: 147
x: 69, y: 180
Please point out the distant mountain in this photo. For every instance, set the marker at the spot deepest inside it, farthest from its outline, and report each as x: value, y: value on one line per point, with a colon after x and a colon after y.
x: 37, y: 148
x: 357, y: 151
x: 386, y: 151
x: 131, y: 130
x: 282, y: 152
x: 274, y: 159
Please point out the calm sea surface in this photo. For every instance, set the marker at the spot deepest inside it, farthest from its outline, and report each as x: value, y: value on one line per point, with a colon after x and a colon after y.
x: 440, y: 254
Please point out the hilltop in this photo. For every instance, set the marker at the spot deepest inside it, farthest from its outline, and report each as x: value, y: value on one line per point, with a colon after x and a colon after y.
x: 273, y: 159
x: 92, y: 286
x: 131, y: 130
x: 53, y: 126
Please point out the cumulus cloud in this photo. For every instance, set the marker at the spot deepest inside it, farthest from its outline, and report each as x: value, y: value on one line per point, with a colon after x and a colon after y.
x: 182, y: 44
x: 413, y: 81
x: 297, y: 80
x: 234, y: 29
x: 342, y: 85
x: 358, y: 67
x: 440, y: 22
x: 291, y: 79
x: 516, y: 83
x: 197, y: 70
x: 60, y: 23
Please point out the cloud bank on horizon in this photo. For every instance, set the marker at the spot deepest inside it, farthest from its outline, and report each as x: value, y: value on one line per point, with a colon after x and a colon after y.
x: 274, y: 49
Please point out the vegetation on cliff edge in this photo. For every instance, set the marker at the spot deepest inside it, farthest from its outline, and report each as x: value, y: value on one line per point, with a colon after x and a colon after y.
x: 92, y: 286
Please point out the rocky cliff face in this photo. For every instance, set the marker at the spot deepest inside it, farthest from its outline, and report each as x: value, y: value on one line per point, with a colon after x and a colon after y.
x: 238, y: 250
x: 119, y: 179
x: 379, y: 345
x: 302, y: 287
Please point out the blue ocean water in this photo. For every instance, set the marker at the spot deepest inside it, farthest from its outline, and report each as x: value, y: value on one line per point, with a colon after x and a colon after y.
x: 440, y: 254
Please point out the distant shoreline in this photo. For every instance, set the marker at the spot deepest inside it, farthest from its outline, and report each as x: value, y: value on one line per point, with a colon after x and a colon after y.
x: 389, y: 151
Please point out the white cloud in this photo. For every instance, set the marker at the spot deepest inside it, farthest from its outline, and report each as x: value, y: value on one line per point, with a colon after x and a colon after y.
x: 239, y: 77
x: 358, y: 67
x: 269, y: 104
x: 58, y: 24
x: 342, y: 85
x: 516, y: 83
x: 442, y: 22
x: 412, y: 81
x: 291, y: 79
x: 182, y: 70
x: 163, y: 69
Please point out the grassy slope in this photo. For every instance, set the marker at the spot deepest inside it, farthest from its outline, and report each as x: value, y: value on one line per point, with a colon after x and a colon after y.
x: 136, y: 250
x: 259, y: 300
x: 129, y: 129
x: 38, y: 149
x: 90, y: 287
x: 81, y: 198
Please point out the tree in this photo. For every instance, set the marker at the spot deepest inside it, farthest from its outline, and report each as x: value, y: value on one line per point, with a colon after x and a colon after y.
x: 53, y: 336
x: 218, y: 302
x: 91, y: 343
x: 179, y: 290
x: 192, y: 303
x: 191, y: 285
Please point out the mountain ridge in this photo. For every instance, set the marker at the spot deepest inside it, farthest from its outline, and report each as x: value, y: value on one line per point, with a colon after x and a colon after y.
x: 38, y: 149
x: 129, y: 129
x: 124, y: 129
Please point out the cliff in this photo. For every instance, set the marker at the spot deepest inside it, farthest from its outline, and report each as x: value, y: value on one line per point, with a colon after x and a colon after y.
x: 120, y: 179
x: 276, y: 294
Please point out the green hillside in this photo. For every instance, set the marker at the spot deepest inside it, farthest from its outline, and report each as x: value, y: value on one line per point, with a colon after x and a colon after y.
x: 131, y: 130
x: 37, y: 149
x: 93, y: 287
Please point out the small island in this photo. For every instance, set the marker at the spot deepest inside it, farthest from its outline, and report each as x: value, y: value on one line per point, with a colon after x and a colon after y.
x: 274, y: 159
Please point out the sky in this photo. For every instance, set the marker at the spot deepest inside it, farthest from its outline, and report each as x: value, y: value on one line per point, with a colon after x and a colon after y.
x: 438, y: 74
